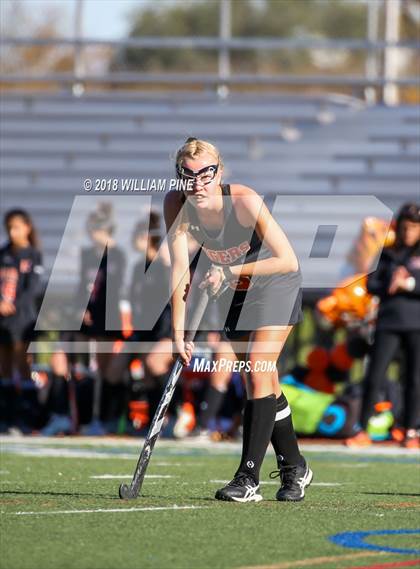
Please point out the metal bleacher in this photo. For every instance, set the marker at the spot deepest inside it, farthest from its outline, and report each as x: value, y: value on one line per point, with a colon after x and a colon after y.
x: 291, y: 146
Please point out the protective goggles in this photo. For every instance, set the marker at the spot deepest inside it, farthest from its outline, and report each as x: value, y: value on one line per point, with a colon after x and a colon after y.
x: 204, y: 176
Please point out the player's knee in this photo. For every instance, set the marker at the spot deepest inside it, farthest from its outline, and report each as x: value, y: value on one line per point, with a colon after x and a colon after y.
x: 257, y: 377
x: 259, y: 384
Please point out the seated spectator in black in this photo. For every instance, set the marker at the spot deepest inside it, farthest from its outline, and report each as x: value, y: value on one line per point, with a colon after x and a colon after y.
x: 146, y: 286
x: 97, y: 283
x: 218, y: 384
x: 396, y: 282
x: 58, y: 401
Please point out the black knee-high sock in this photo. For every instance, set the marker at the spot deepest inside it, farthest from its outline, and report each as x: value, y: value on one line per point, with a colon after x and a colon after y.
x: 113, y: 401
x: 58, y: 397
x: 258, y: 426
x: 210, y: 406
x: 283, y: 437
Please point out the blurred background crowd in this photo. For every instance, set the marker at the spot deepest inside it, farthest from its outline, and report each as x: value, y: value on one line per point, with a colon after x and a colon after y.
x: 313, y: 104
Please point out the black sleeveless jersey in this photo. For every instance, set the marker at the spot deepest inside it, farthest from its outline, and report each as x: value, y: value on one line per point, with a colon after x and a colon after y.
x: 233, y: 244
x: 20, y: 285
x: 263, y: 300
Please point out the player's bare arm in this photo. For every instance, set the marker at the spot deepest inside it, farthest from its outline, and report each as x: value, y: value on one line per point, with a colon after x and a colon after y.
x: 251, y: 211
x: 180, y: 274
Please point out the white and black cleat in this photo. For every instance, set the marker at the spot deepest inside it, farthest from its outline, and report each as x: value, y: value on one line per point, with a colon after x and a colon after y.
x: 242, y: 488
x: 294, y: 480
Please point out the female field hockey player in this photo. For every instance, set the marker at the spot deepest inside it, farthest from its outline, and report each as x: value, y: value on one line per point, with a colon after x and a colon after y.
x: 20, y: 286
x: 241, y: 240
x: 20, y: 283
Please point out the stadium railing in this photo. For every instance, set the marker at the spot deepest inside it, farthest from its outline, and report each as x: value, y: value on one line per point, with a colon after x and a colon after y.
x: 223, y: 77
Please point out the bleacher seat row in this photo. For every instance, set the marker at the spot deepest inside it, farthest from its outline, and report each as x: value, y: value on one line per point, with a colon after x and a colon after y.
x: 280, y: 145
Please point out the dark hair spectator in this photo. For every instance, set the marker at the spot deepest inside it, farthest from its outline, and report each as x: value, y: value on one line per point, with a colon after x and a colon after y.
x: 396, y: 282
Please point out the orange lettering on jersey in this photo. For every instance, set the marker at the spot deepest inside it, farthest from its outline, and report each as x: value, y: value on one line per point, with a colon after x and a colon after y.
x: 227, y: 256
x: 234, y: 252
x: 211, y: 254
x: 224, y: 257
x: 25, y: 266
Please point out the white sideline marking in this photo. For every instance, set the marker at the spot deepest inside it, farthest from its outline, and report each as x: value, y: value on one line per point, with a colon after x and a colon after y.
x: 110, y: 510
x: 11, y: 443
x: 351, y: 465
x: 271, y: 482
x: 326, y: 483
x: 44, y: 452
x: 178, y: 464
x: 112, y: 476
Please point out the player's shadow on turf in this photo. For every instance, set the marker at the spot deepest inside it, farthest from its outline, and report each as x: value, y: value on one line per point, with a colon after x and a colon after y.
x: 391, y: 494
x: 68, y: 494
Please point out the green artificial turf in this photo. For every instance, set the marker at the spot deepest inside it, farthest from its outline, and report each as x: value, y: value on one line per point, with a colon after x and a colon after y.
x: 373, y: 493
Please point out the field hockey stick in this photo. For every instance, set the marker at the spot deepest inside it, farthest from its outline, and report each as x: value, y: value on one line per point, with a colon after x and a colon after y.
x: 131, y: 491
